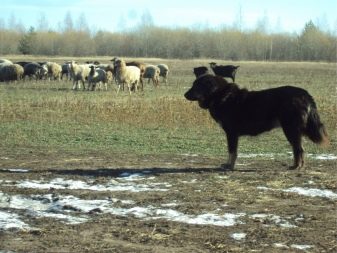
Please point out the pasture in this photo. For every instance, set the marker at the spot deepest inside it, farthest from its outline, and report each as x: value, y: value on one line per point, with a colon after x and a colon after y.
x: 93, y: 171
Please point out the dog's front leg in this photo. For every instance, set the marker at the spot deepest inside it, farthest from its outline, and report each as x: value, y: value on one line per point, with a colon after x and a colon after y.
x: 232, y: 143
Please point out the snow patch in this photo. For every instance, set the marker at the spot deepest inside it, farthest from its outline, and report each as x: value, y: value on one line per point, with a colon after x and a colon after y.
x: 277, y: 220
x: 11, y: 221
x: 113, y: 185
x: 310, y: 192
x: 238, y: 236
x: 16, y: 170
x: 300, y: 246
x: 66, y: 208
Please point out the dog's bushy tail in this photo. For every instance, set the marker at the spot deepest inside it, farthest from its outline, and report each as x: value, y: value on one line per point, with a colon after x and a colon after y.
x: 315, y: 129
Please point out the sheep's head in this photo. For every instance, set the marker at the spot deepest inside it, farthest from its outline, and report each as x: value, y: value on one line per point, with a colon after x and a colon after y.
x: 92, y: 70
x: 119, y: 63
x: 212, y: 64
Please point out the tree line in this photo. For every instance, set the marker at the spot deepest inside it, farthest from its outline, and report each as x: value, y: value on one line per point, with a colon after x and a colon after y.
x: 148, y: 40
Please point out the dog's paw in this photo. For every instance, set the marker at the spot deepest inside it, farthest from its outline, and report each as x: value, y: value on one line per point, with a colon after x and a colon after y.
x: 226, y: 166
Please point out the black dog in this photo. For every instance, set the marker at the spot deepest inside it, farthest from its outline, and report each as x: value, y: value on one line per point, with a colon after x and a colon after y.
x: 224, y: 70
x: 199, y: 71
x: 242, y: 112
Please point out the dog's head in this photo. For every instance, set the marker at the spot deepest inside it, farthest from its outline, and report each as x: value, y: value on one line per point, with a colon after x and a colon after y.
x: 199, y: 71
x: 203, y: 90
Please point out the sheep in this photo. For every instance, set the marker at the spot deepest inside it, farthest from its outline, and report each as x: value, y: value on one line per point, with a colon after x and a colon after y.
x: 11, y: 72
x: 110, y: 70
x: 164, y: 71
x: 66, y: 70
x: 80, y: 72
x: 33, y: 69
x: 22, y: 63
x: 152, y: 72
x: 129, y: 75
x: 54, y: 70
x: 96, y: 75
x: 142, y: 67
x: 224, y: 70
x: 5, y: 61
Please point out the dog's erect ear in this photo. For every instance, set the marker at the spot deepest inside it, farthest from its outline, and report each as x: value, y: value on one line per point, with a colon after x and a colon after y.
x: 200, y: 71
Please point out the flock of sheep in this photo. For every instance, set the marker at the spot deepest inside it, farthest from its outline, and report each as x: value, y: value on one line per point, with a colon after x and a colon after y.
x: 94, y: 74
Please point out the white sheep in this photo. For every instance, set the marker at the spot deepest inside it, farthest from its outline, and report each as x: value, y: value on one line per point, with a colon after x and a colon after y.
x: 164, y: 71
x: 79, y: 72
x: 97, y: 76
x: 5, y: 61
x: 152, y: 73
x: 129, y: 75
x: 54, y: 70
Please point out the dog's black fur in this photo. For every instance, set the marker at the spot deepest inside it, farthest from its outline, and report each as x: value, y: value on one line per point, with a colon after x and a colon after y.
x: 224, y: 70
x: 242, y: 112
x: 198, y: 71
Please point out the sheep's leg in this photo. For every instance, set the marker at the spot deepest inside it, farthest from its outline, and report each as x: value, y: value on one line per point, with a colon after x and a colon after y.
x: 83, y: 83
x: 142, y: 83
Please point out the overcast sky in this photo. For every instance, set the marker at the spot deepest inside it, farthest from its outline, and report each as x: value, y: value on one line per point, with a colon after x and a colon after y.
x: 279, y: 15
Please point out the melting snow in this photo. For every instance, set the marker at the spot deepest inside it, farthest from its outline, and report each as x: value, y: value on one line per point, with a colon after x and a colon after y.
x: 238, y: 236
x: 16, y: 170
x: 10, y: 221
x: 313, y: 192
x: 272, y: 155
x: 310, y: 192
x: 61, y: 207
x: 113, y: 185
x: 299, y: 246
x: 323, y: 156
x: 275, y: 219
x: 294, y: 246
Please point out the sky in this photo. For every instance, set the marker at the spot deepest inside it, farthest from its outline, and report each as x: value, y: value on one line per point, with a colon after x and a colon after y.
x: 110, y: 15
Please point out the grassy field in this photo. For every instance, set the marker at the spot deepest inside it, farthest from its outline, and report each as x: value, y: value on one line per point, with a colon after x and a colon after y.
x: 50, y: 116
x: 95, y: 171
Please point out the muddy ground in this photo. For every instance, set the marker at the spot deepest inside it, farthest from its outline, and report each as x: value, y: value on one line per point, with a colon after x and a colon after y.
x: 172, y: 204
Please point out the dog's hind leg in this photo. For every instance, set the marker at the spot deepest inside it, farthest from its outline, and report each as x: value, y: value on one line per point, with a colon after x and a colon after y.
x: 232, y: 142
x: 294, y: 136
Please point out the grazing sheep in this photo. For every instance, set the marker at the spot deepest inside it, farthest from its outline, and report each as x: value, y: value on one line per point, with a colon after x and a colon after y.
x: 152, y: 72
x: 164, y: 71
x: 97, y: 76
x: 142, y: 67
x: 22, y: 63
x: 34, y: 70
x: 5, y: 61
x: 109, y: 76
x: 224, y: 70
x: 66, y: 70
x: 93, y: 62
x: 12, y: 72
x: 80, y: 72
x: 129, y: 75
x: 54, y: 70
x: 110, y: 70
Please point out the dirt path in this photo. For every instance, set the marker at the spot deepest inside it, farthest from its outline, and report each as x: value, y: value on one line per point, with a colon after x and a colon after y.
x: 61, y: 203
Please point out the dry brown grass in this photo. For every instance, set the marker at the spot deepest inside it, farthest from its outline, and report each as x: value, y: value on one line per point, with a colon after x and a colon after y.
x: 51, y: 105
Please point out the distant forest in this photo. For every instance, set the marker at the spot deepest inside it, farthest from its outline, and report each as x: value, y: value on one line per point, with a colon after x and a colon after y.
x: 149, y: 40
